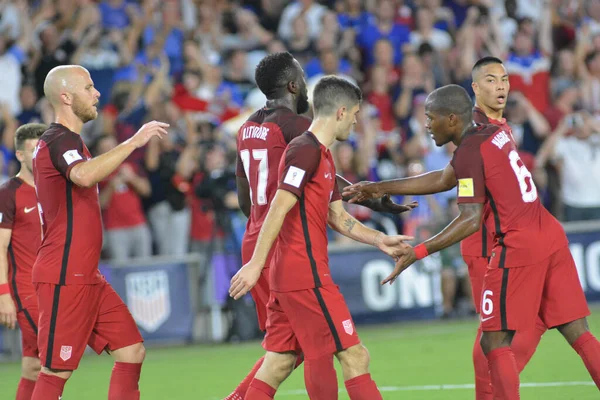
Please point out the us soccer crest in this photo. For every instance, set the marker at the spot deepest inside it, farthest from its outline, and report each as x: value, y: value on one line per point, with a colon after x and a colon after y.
x: 148, y: 298
x: 348, y: 327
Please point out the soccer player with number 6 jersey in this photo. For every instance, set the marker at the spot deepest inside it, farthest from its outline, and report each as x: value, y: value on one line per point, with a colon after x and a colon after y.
x: 531, y: 272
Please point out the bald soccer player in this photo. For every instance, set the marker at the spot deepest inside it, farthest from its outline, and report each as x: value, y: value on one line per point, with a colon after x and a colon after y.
x: 77, y: 307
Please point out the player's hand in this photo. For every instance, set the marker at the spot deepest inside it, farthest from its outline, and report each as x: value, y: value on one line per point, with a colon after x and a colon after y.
x: 405, y: 261
x: 393, y: 246
x: 244, y: 280
x: 8, y: 311
x: 147, y: 132
x: 362, y: 191
x: 388, y: 205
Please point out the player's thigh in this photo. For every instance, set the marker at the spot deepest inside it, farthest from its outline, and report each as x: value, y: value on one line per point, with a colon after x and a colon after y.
x: 27, y: 319
x: 477, y: 267
x: 279, y: 336
x: 115, y: 327
x: 67, y: 315
x: 321, y: 320
x: 511, y: 297
x: 563, y: 300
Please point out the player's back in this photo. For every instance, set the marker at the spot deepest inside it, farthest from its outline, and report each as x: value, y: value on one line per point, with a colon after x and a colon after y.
x: 18, y: 212
x: 524, y: 231
x: 70, y: 214
x: 261, y: 142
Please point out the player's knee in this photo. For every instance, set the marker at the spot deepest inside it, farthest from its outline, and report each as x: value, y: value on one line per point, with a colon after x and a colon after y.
x: 494, y: 340
x: 63, y: 374
x: 355, y: 357
x: 573, y: 330
x: 133, y: 354
x: 30, y: 368
x: 279, y: 365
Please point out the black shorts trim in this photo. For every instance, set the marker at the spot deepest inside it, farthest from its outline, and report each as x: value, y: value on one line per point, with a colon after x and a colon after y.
x: 334, y: 333
x: 503, y: 291
x: 53, y: 318
x: 30, y: 320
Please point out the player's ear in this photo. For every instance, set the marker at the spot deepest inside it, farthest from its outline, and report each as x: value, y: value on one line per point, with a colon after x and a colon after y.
x: 341, y: 112
x: 293, y: 87
x: 475, y: 87
x: 66, y: 98
x: 19, y: 155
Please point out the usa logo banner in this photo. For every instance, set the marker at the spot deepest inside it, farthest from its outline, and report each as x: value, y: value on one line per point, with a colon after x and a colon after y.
x: 148, y: 298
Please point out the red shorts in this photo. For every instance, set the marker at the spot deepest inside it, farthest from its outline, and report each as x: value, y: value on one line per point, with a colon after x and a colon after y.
x: 513, y: 298
x: 74, y: 316
x: 477, y: 268
x: 27, y: 319
x: 261, y: 291
x: 316, y: 322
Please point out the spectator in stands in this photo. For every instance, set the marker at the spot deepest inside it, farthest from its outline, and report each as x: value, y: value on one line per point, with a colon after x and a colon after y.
x: 577, y: 157
x: 529, y: 127
x: 120, y: 195
x: 426, y: 32
x: 310, y: 10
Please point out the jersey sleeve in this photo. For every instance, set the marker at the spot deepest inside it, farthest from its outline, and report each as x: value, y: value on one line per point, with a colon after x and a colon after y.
x: 294, y: 126
x: 7, y: 207
x: 469, y: 170
x: 66, y: 151
x: 301, y: 162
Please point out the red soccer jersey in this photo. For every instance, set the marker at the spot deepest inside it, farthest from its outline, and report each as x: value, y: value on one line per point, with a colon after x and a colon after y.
x: 300, y: 260
x: 480, y: 243
x: 124, y: 209
x: 18, y: 211
x: 489, y: 170
x: 261, y: 142
x: 70, y: 214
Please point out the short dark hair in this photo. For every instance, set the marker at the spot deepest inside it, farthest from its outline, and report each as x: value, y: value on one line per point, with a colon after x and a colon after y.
x: 332, y: 93
x: 451, y: 99
x: 27, y: 132
x: 274, y: 72
x: 482, y: 62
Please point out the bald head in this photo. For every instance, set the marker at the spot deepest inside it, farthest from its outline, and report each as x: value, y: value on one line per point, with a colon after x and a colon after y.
x: 64, y: 79
x: 450, y: 99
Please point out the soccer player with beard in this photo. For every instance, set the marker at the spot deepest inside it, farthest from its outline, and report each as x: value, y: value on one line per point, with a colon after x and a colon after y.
x: 77, y: 306
x: 491, y: 87
x: 306, y: 311
x: 261, y: 141
x: 20, y: 236
x: 531, y: 273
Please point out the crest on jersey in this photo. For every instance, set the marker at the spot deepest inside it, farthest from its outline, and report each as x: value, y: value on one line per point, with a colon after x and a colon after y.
x: 65, y: 352
x: 348, y: 327
x: 148, y: 298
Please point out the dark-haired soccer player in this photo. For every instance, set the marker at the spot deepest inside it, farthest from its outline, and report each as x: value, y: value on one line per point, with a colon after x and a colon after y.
x: 491, y: 87
x: 531, y: 271
x: 261, y: 142
x: 306, y: 311
x: 77, y: 306
x: 20, y: 237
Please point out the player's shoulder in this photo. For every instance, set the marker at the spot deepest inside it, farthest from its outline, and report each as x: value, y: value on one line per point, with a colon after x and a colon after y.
x: 10, y: 187
x: 479, y: 116
x: 479, y: 134
x: 306, y: 141
x: 56, y: 132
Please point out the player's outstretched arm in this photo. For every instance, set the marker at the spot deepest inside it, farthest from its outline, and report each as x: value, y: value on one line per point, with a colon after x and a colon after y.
x: 8, y: 312
x: 344, y: 223
x: 428, y: 183
x: 248, y: 275
x: 90, y: 172
x: 467, y: 223
x: 384, y: 204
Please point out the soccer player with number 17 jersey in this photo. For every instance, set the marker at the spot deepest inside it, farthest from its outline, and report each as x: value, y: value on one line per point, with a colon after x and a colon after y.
x: 531, y: 272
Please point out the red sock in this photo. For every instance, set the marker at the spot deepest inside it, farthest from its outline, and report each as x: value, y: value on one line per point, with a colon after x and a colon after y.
x: 25, y: 390
x: 124, y: 381
x: 504, y: 373
x: 483, y: 384
x: 320, y: 379
x: 48, y: 387
x: 362, y: 387
x: 260, y: 390
x: 240, y: 391
x: 588, y: 348
x: 525, y: 343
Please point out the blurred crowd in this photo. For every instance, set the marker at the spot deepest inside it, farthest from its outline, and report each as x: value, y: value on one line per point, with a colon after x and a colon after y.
x: 191, y: 63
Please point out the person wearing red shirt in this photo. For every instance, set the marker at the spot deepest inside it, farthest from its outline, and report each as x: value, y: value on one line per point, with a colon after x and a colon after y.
x: 306, y: 311
x: 126, y: 230
x: 77, y: 306
x: 531, y: 272
x: 20, y: 237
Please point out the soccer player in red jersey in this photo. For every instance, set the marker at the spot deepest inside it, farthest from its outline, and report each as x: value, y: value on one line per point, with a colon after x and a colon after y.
x: 491, y: 87
x: 261, y: 142
x: 20, y: 236
x: 77, y: 306
x: 531, y: 271
x: 306, y: 311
